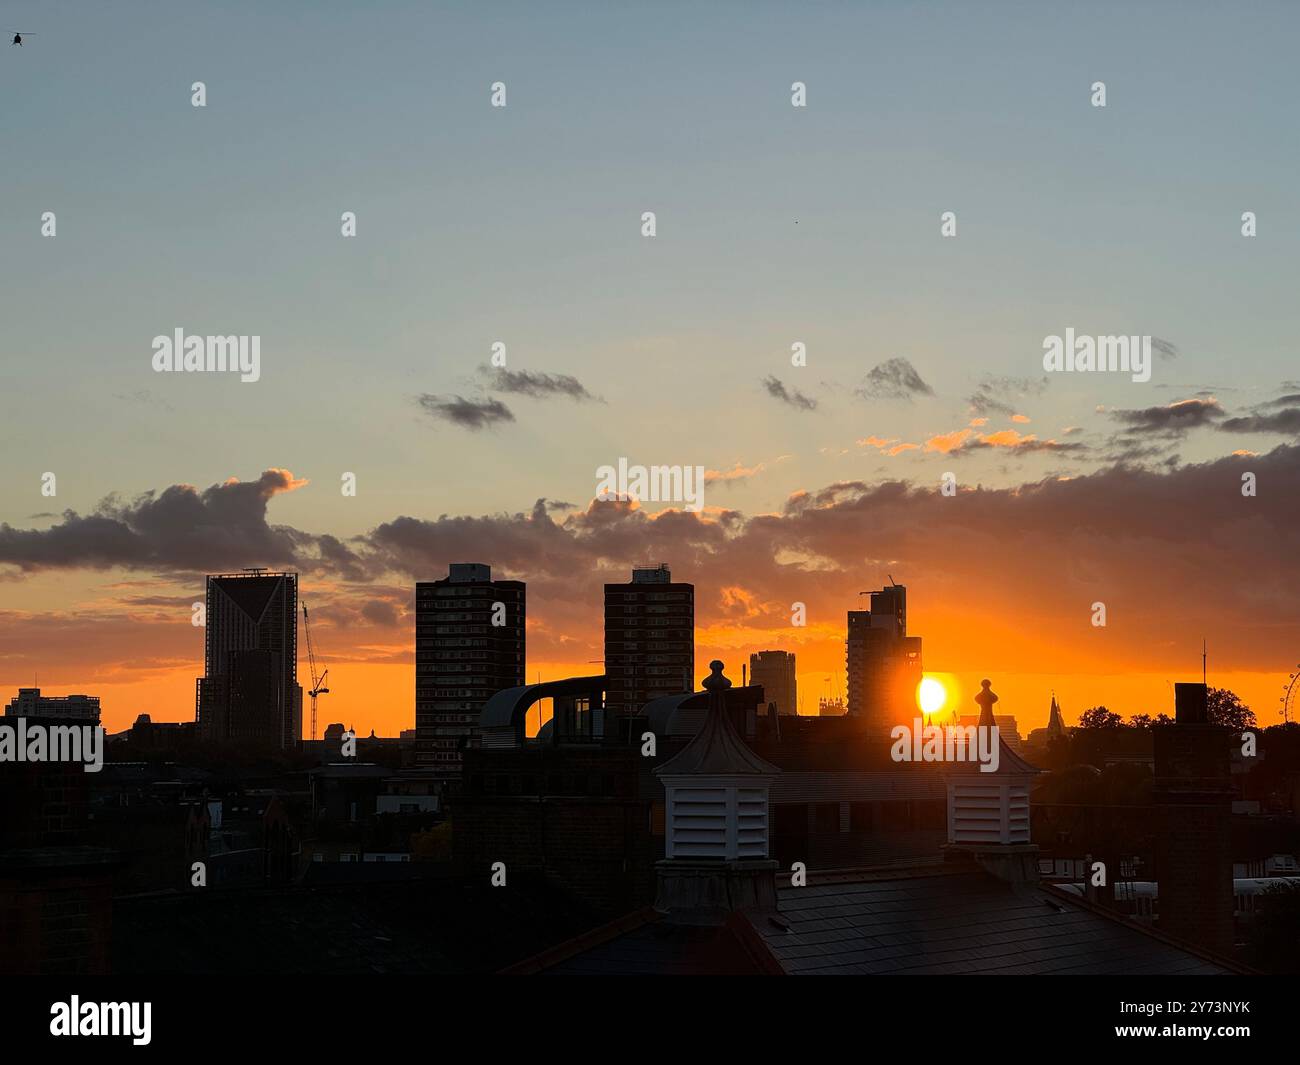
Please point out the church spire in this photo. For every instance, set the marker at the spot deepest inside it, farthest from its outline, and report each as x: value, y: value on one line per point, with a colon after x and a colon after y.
x: 1055, y: 723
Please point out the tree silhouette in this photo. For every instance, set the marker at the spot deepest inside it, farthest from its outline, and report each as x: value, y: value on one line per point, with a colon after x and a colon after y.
x: 1100, y: 717
x: 1226, y: 708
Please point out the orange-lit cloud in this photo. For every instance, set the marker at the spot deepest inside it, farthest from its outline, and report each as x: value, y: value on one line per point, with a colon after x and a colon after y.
x: 948, y: 442
x: 1000, y: 583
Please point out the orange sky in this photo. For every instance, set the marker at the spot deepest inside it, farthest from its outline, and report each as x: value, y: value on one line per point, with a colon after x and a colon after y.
x: 380, y: 696
x: 1002, y: 583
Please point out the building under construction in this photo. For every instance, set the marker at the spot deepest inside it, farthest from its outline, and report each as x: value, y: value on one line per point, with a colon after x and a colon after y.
x: 249, y: 692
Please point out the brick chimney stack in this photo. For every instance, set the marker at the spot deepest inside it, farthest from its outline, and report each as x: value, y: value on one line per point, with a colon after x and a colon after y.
x: 1193, y: 797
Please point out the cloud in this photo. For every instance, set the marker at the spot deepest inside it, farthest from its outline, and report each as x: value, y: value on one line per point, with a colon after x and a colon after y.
x: 1173, y: 419
x: 965, y: 441
x: 1142, y: 540
x: 893, y: 379
x: 1061, y: 543
x: 472, y: 414
x: 1286, y: 422
x: 1281, y: 415
x: 1163, y: 348
x: 948, y: 442
x: 736, y: 474
x: 536, y: 385
x: 791, y: 397
x: 994, y: 393
x: 179, y: 529
x: 381, y: 612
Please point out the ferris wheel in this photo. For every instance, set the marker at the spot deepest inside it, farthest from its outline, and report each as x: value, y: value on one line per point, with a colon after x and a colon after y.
x: 1290, y: 696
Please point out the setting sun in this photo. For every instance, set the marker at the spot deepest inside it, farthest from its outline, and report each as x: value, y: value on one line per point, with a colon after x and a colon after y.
x: 931, y: 695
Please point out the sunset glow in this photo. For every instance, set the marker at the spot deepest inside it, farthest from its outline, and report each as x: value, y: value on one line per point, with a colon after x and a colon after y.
x: 930, y: 695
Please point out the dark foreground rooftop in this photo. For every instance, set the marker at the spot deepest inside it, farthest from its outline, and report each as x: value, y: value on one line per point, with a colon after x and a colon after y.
x: 921, y: 921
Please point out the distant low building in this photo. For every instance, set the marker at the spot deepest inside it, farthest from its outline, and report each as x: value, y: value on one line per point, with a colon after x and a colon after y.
x: 1008, y: 730
x: 29, y: 702
x: 773, y: 671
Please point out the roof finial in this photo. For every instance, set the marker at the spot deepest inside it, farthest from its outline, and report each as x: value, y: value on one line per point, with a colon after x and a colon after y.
x: 986, y: 698
x: 715, y: 681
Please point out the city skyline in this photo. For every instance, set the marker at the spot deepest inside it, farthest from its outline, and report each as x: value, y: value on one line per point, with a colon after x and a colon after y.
x: 780, y: 229
x: 827, y: 640
x: 742, y: 489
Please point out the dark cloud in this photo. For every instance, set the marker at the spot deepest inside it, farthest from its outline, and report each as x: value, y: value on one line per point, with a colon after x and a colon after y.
x: 1026, y: 445
x: 1280, y: 415
x: 893, y: 379
x: 472, y: 414
x: 1163, y: 348
x: 179, y: 529
x: 994, y: 393
x: 1171, y: 420
x: 1043, y: 551
x: 380, y: 612
x: 1285, y: 421
x: 791, y: 397
x: 536, y: 385
x: 1142, y: 540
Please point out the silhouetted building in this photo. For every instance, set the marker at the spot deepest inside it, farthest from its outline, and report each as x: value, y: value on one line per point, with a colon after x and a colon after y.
x: 160, y: 736
x: 1055, y: 729
x: 883, y: 662
x: 469, y: 645
x: 1193, y: 791
x: 721, y: 910
x: 773, y: 671
x: 29, y: 702
x: 55, y: 883
x: 249, y: 692
x: 1008, y: 730
x: 649, y: 639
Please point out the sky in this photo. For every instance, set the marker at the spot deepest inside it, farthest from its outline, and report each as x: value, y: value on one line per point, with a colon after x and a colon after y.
x: 775, y: 225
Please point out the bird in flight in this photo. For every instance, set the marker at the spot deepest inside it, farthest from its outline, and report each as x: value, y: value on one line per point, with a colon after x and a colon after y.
x: 18, y: 39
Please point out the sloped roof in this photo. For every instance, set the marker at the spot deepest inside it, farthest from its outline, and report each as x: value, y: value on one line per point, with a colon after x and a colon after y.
x: 645, y: 944
x: 717, y: 749
x: 938, y: 921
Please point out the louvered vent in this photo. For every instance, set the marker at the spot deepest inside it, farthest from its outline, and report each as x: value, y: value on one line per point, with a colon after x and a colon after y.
x: 717, y: 822
x: 751, y: 822
x: 987, y: 813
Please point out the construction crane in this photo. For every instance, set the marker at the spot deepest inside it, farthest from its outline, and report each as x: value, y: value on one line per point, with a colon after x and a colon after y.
x: 317, y: 683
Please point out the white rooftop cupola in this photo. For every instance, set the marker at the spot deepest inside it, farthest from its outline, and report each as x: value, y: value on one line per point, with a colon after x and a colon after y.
x: 716, y: 788
x: 716, y: 839
x: 988, y: 803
